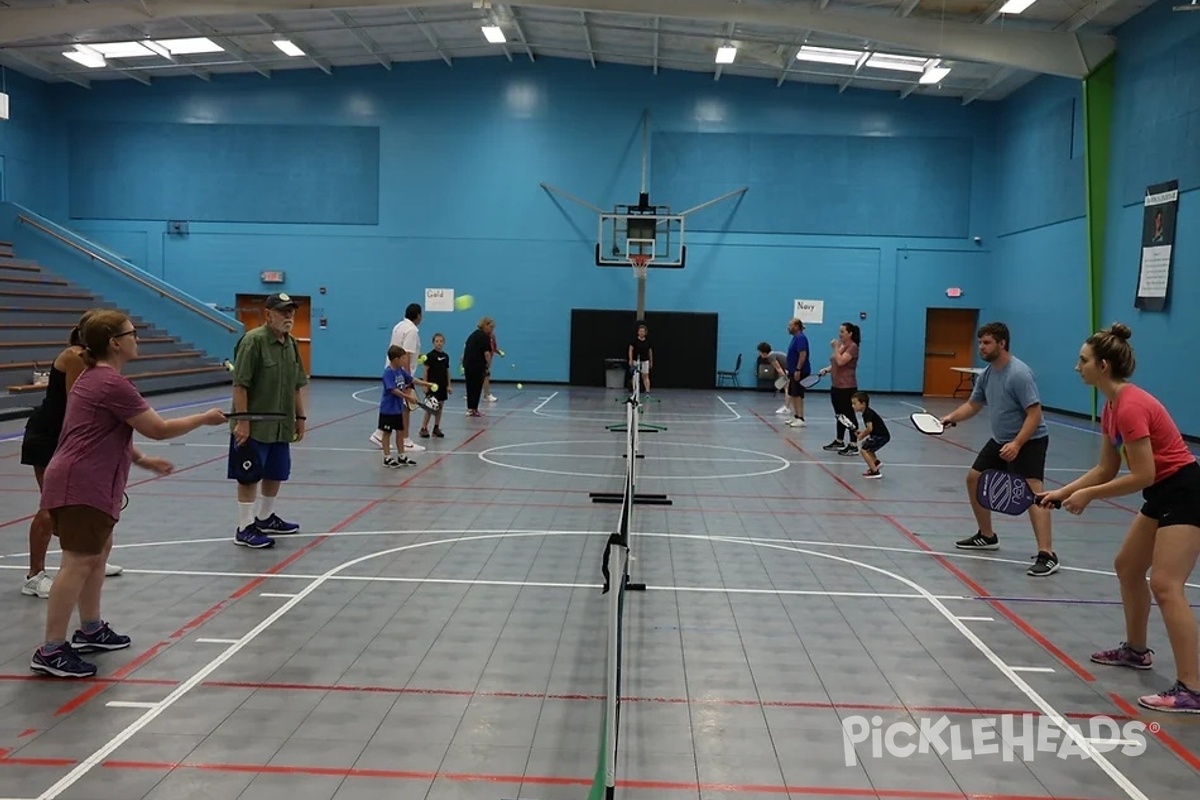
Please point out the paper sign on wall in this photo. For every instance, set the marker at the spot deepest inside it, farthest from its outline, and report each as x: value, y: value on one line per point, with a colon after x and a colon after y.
x: 810, y: 312
x: 439, y: 299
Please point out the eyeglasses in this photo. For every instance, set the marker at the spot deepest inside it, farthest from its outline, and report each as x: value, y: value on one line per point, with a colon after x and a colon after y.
x: 132, y: 333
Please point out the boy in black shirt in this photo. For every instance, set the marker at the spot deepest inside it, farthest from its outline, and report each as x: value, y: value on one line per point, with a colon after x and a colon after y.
x: 437, y: 370
x: 640, y: 350
x: 873, y: 435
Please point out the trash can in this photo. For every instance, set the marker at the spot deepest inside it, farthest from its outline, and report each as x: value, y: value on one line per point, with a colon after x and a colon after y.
x: 615, y: 370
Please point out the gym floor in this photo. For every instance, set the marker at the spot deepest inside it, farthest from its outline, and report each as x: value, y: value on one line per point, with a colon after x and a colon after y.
x: 439, y: 631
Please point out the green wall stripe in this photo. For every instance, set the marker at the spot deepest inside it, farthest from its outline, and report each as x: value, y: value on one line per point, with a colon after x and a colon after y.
x: 1097, y: 115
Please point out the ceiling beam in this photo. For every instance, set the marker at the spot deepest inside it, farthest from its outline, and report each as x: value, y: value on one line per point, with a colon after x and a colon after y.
x: 16, y: 61
x: 276, y: 29
x: 366, y: 41
x: 416, y: 17
x: 587, y: 36
x: 1064, y: 53
x: 203, y: 29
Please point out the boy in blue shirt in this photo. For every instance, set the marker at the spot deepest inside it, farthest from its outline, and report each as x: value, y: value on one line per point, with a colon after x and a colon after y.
x: 397, y: 388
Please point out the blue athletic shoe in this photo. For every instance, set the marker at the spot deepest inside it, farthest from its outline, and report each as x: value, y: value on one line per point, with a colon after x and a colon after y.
x: 102, y: 640
x: 273, y: 524
x: 251, y: 536
x: 61, y: 662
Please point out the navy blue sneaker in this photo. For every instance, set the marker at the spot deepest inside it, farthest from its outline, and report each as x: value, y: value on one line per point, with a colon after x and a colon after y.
x: 102, y: 640
x: 251, y: 536
x: 273, y: 524
x: 61, y: 662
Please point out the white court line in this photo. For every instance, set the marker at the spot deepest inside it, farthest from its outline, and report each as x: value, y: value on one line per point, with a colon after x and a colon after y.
x: 732, y: 410
x: 97, y: 757
x: 276, y: 594
x: 977, y: 619
x: 1092, y: 753
x: 697, y: 459
x: 203, y: 640
x: 129, y: 704
x: 517, y: 584
x: 543, y: 403
x: 1031, y: 669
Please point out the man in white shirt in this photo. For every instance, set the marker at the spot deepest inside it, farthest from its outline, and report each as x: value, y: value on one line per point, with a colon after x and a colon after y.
x: 407, y: 335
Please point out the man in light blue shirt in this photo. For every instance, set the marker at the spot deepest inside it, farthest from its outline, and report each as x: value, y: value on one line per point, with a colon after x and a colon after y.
x: 1019, y: 440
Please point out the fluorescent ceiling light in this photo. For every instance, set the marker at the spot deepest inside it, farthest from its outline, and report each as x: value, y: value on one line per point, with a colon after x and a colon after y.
x: 898, y: 63
x: 726, y: 54
x: 185, y: 47
x: 1016, y: 6
x: 493, y: 34
x: 122, y: 49
x: 3, y: 105
x: 287, y: 46
x: 934, y: 73
x: 82, y: 54
x: 828, y: 55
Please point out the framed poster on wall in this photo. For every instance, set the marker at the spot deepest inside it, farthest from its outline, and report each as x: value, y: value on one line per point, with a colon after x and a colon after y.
x: 1158, y: 246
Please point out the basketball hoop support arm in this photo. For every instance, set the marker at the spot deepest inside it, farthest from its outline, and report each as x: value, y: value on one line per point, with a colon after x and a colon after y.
x: 714, y: 201
x: 572, y: 198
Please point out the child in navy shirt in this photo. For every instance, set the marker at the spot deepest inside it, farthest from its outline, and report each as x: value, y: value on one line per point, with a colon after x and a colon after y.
x: 873, y: 435
x: 397, y: 389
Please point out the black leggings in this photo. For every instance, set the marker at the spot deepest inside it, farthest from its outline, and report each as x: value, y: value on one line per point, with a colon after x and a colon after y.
x: 841, y: 405
x: 474, y: 380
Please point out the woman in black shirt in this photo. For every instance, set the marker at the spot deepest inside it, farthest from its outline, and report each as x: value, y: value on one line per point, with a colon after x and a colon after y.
x: 476, y: 360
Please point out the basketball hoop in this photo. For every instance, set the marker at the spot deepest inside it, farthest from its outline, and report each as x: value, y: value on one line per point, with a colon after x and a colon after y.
x: 641, y: 263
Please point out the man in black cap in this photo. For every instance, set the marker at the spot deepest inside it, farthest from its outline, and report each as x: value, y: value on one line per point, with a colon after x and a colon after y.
x: 268, y: 375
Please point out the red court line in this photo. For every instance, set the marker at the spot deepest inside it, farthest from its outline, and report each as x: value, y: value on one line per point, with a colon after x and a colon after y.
x: 579, y: 697
x: 1167, y: 741
x: 987, y: 597
x: 145, y: 657
x: 541, y: 780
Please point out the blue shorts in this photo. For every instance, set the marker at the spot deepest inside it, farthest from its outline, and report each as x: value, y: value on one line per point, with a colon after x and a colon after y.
x: 269, y: 461
x: 873, y: 443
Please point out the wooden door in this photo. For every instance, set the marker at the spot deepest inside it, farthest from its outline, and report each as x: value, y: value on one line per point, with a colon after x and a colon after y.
x: 252, y: 313
x: 949, y: 342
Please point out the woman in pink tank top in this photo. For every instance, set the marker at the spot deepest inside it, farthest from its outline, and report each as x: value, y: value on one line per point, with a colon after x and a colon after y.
x: 843, y: 364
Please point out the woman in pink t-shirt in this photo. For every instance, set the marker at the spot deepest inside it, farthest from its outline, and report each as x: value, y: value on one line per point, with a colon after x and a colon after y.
x: 1164, y: 539
x: 843, y: 364
x: 84, y: 484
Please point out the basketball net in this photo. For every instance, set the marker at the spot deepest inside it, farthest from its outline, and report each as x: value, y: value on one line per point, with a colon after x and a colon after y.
x: 641, y: 263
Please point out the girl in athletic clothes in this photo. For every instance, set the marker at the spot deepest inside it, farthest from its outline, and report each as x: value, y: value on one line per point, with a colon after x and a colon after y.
x: 42, y: 430
x: 1164, y: 538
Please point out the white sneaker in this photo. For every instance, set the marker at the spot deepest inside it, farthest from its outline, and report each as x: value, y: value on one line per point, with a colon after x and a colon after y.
x: 377, y: 440
x: 782, y: 410
x: 491, y: 398
x: 409, y: 444
x: 796, y: 422
x: 38, y: 585
x: 111, y: 570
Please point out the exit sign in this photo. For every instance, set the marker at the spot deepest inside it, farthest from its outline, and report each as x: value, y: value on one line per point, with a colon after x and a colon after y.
x: 272, y: 276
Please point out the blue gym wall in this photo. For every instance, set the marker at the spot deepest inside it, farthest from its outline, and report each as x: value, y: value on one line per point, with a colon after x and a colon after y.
x: 1156, y: 137
x: 1040, y: 286
x: 375, y: 185
x: 25, y: 139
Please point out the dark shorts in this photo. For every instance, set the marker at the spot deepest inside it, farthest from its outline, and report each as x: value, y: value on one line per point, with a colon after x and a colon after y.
x: 794, y: 389
x: 391, y: 422
x: 82, y: 529
x: 873, y: 443
x: 259, y: 461
x: 1175, y: 500
x: 37, y: 448
x: 1030, y: 463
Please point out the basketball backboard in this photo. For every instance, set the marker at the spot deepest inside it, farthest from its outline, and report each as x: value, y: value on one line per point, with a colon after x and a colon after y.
x: 638, y: 230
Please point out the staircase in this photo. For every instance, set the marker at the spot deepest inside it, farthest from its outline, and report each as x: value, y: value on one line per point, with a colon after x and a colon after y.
x: 38, y: 311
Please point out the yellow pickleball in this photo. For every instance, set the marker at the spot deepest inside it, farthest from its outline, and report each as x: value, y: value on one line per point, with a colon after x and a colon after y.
x: 463, y: 302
